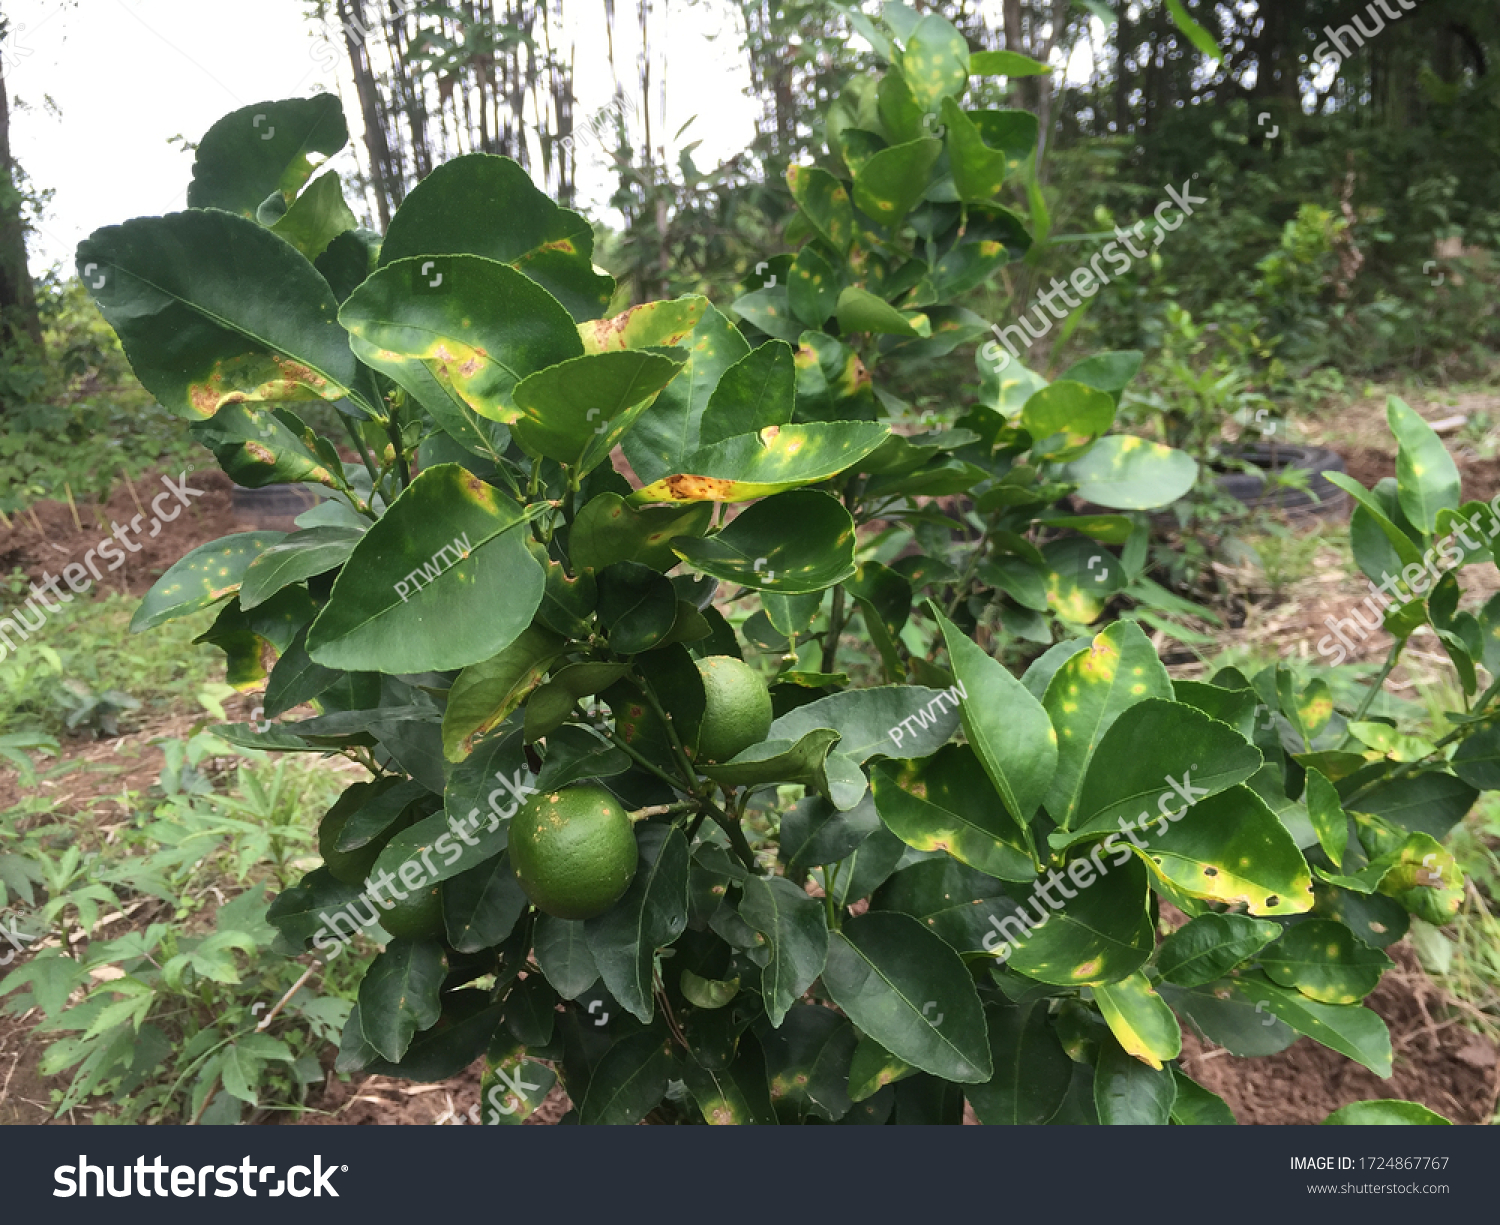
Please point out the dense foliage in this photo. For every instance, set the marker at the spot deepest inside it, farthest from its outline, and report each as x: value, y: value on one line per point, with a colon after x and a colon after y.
x: 946, y: 885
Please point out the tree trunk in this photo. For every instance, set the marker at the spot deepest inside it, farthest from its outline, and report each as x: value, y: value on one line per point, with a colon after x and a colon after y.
x: 18, y: 313
x: 384, y: 177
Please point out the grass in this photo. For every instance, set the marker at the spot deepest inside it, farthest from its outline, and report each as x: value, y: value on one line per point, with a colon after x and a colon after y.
x: 85, y: 650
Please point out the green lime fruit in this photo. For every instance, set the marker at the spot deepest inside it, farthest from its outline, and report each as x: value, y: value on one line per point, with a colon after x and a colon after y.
x: 737, y: 710
x: 573, y: 851
x: 420, y: 914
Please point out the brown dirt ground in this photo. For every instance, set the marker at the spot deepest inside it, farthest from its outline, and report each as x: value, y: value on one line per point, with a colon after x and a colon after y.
x: 46, y: 536
x: 1438, y: 1063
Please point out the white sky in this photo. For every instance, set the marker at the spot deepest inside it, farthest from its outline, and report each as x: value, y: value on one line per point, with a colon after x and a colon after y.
x: 126, y: 75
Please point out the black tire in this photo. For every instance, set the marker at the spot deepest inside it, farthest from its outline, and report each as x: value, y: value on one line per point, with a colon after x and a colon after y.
x: 273, y: 508
x: 1321, y: 497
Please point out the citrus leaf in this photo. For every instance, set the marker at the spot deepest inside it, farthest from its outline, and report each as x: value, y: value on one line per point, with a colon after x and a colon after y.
x: 890, y: 184
x: 628, y: 1081
x: 1032, y: 1071
x: 577, y: 411
x: 935, y: 62
x: 1129, y: 776
x: 485, y: 693
x: 910, y: 992
x: 298, y: 557
x: 481, y: 204
x: 399, y: 995
x: 1232, y: 848
x: 212, y: 309
x: 1005, y: 64
x: 1087, y: 694
x: 264, y: 148
x: 666, y: 435
x: 1009, y: 729
x: 824, y: 201
x: 1325, y: 961
x: 460, y: 329
x: 1139, y: 1019
x: 653, y: 912
x: 797, y: 935
x: 608, y: 530
x: 1128, y: 473
x: 318, y: 216
x: 1100, y: 935
x: 1127, y: 1092
x: 1385, y: 1113
x: 756, y: 551
x: 1210, y: 946
x: 775, y: 459
x: 946, y: 803
x: 1427, y: 479
x: 757, y: 391
x: 202, y: 578
x: 447, y: 552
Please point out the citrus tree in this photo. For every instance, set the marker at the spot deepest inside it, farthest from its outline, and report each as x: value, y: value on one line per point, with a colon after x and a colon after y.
x: 578, y: 604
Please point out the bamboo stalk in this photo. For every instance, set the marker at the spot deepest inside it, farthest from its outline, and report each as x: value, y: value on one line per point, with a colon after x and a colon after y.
x: 72, y: 506
x: 134, y: 497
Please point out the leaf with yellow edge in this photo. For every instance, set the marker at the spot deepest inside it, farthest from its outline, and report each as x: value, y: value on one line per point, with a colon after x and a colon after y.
x: 1140, y: 1019
x: 1231, y: 847
x: 644, y: 326
x: 1128, y: 473
x: 779, y: 457
x: 460, y: 327
x: 824, y: 201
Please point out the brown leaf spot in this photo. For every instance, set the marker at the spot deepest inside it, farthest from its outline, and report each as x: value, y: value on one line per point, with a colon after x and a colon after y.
x: 684, y: 487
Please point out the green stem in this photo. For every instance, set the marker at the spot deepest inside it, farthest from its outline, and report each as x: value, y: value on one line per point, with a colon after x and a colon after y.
x: 684, y: 762
x: 363, y: 448
x: 644, y: 762
x: 393, y: 431
x: 1411, y: 767
x: 1368, y: 700
x: 830, y: 878
x: 962, y: 589
x: 835, y: 628
x: 737, y: 839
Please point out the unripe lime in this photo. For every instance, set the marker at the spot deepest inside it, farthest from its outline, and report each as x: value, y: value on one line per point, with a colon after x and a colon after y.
x: 737, y: 710
x: 420, y: 914
x: 573, y: 851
